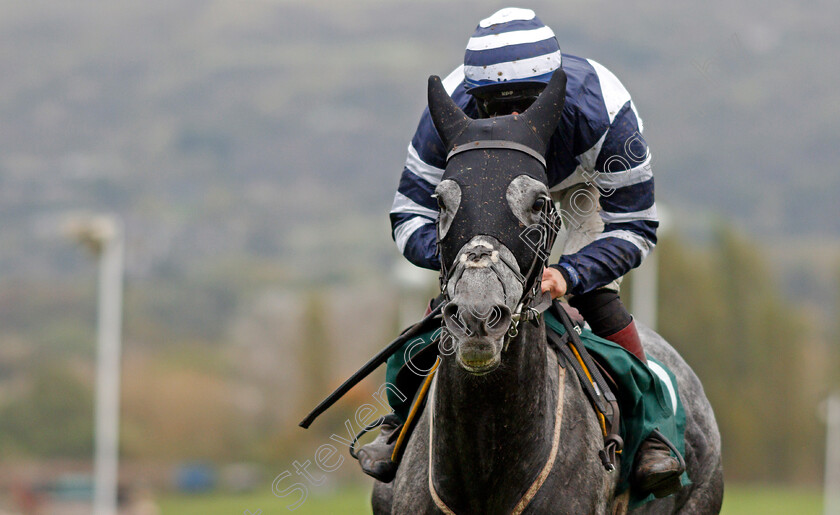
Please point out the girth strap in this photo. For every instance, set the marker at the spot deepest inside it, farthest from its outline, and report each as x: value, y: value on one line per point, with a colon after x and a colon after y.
x: 574, y: 335
x: 561, y: 344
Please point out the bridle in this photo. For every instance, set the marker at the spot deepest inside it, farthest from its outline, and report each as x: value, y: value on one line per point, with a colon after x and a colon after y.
x: 547, y: 227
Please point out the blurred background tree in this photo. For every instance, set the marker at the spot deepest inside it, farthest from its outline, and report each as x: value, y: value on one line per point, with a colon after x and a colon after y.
x: 52, y: 417
x: 760, y: 359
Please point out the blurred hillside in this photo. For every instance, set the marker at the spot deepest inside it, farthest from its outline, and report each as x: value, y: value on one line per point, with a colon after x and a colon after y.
x: 277, y: 130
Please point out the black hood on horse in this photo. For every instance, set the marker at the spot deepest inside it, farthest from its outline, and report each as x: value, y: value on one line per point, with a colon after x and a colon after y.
x: 484, y: 176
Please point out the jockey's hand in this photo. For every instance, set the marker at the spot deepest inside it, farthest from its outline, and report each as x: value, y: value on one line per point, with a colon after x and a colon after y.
x: 553, y: 282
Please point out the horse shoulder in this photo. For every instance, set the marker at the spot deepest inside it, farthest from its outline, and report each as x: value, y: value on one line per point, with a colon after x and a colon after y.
x: 410, y: 489
x: 578, y: 467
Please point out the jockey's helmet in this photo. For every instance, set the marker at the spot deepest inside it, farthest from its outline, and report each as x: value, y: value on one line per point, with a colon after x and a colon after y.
x: 509, y: 60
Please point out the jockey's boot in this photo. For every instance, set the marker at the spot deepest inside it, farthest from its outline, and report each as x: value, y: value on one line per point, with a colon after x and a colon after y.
x: 375, y: 457
x: 609, y: 319
x: 656, y: 470
x: 629, y: 339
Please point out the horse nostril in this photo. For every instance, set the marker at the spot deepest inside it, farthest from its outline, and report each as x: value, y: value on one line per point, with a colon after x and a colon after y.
x: 477, y: 320
x: 500, y: 318
x: 450, y: 310
x: 452, y: 318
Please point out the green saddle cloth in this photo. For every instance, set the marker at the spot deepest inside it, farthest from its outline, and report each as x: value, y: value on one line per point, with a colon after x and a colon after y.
x: 648, y: 395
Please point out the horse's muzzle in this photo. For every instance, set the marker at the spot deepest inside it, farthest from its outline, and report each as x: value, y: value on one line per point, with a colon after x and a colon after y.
x: 479, y: 332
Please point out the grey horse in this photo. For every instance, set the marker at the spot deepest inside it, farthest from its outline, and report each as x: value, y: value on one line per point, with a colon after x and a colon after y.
x: 505, y: 428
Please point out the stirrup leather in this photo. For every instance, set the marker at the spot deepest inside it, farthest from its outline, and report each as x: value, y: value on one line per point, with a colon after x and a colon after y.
x: 413, y: 415
x: 570, y: 349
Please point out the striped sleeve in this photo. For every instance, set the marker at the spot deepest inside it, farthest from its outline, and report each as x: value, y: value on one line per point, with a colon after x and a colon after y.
x: 619, y: 166
x: 414, y: 211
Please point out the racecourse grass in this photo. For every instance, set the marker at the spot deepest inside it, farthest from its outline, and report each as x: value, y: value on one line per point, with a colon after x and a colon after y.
x: 341, y: 501
x: 771, y: 500
x: 738, y: 500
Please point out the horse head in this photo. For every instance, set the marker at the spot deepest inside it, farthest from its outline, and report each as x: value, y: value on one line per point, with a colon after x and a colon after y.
x: 495, y: 220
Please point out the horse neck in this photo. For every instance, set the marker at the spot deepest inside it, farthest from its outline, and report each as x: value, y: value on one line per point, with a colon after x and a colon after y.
x: 490, y: 430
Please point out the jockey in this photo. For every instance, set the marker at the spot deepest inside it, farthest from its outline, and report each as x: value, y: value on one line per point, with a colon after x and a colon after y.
x: 598, y: 168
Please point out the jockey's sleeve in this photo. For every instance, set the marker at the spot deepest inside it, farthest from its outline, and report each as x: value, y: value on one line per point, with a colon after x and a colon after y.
x: 623, y: 176
x: 414, y: 211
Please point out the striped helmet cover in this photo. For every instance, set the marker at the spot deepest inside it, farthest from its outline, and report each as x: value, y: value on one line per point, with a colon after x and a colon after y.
x: 512, y: 45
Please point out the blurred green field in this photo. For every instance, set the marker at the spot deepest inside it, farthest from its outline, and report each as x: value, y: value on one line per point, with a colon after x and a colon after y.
x: 771, y: 500
x: 344, y: 501
x: 739, y: 500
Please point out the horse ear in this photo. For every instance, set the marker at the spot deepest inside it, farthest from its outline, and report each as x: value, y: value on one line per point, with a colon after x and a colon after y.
x: 544, y: 114
x: 448, y: 118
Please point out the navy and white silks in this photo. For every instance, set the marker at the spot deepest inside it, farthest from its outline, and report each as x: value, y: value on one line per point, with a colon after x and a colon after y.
x: 598, y: 143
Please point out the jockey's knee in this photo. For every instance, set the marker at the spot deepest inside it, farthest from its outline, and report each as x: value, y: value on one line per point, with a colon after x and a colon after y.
x: 603, y: 310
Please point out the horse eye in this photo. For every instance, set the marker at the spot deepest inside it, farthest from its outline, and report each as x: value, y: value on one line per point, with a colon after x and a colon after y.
x: 539, y: 204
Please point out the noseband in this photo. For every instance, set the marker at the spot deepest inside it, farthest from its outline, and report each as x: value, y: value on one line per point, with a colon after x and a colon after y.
x: 548, y: 225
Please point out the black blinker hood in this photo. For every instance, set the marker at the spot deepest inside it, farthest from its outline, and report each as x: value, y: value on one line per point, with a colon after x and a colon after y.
x: 484, y: 172
x: 484, y: 177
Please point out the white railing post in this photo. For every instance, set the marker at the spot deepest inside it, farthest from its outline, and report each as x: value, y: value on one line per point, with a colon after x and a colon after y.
x: 831, y: 488
x: 104, y: 236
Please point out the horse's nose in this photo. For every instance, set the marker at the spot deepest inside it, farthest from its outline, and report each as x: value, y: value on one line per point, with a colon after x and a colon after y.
x: 476, y: 320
